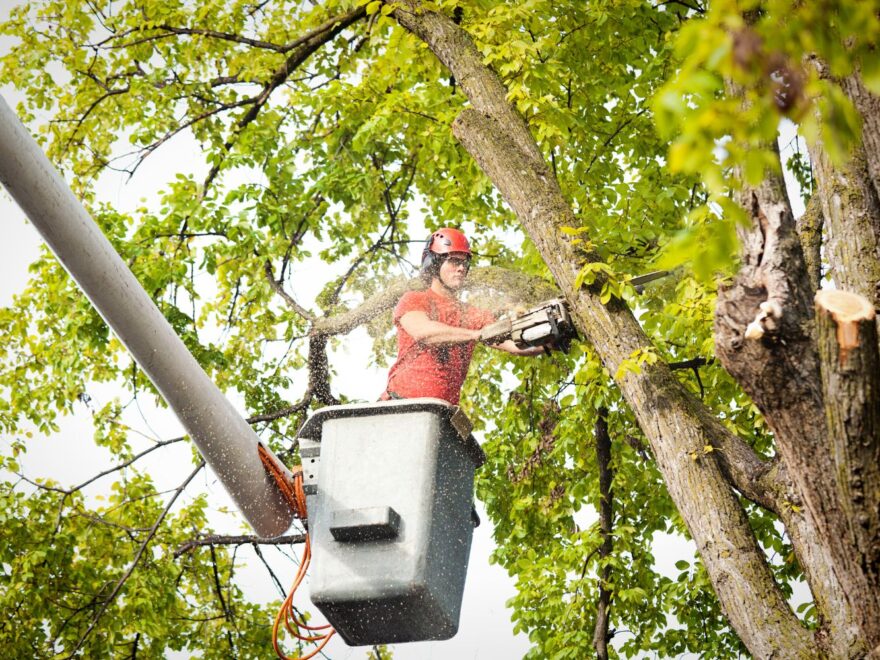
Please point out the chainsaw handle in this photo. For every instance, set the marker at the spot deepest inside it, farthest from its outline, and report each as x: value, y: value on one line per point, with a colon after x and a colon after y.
x: 496, y: 333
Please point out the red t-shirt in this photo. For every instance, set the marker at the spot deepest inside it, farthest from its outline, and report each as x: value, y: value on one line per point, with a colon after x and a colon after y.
x: 434, y: 371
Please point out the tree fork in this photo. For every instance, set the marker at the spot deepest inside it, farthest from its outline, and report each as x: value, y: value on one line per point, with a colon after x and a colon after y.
x: 764, y: 336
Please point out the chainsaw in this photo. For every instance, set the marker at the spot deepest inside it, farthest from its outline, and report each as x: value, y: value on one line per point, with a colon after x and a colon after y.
x: 548, y: 325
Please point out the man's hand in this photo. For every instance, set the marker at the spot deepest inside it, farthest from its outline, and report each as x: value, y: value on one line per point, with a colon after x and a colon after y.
x: 510, y: 347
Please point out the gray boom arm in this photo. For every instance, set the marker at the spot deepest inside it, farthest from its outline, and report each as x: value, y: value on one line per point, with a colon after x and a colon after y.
x: 223, y: 437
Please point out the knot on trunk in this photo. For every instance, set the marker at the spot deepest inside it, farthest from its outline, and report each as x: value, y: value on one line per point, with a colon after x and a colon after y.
x: 767, y: 320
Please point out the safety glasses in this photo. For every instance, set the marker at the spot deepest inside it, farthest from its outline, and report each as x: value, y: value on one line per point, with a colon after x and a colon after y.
x: 459, y: 262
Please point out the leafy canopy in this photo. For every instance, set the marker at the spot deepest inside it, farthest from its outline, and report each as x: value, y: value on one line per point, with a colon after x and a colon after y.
x: 312, y: 144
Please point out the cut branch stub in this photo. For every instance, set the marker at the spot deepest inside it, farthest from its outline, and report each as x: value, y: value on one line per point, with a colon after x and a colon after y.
x: 850, y: 313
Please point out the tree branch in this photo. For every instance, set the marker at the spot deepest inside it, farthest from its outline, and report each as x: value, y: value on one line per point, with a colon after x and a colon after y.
x: 276, y: 286
x: 124, y: 464
x: 809, y: 230
x: 268, y: 568
x: 498, y: 139
x: 224, y: 608
x: 283, y: 412
x: 244, y: 539
x: 302, y: 49
x: 140, y: 551
x: 765, y: 337
x: 851, y: 383
x: 606, y: 521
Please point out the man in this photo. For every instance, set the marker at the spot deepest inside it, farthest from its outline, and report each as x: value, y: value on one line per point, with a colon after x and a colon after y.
x: 436, y: 332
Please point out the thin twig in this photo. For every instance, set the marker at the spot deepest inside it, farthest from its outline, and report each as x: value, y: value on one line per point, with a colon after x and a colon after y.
x: 219, y: 539
x: 283, y: 412
x: 227, y: 613
x: 274, y: 577
x: 140, y: 552
x: 125, y: 464
x: 276, y: 286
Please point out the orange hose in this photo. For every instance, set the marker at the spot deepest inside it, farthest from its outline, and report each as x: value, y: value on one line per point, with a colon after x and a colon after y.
x: 292, y: 490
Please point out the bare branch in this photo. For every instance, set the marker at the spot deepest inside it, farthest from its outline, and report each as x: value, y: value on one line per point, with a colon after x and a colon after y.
x: 283, y: 412
x: 611, y: 137
x: 224, y: 608
x: 224, y: 36
x: 689, y: 364
x: 606, y: 520
x: 116, y: 468
x: 754, y: 478
x: 268, y: 568
x: 245, y: 539
x: 276, y: 286
x: 172, y: 30
x: 182, y: 127
x: 70, y: 491
x: 302, y: 49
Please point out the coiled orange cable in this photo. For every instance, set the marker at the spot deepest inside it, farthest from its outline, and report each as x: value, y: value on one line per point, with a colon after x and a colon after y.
x: 294, y: 622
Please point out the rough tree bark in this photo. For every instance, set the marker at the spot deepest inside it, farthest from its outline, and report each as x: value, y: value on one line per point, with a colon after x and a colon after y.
x: 850, y: 200
x: 847, y: 339
x: 779, y: 366
x: 764, y: 338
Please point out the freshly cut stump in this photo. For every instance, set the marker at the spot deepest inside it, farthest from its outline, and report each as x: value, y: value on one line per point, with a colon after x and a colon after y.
x: 848, y: 311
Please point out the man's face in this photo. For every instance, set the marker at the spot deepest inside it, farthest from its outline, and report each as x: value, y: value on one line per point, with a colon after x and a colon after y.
x: 454, y: 270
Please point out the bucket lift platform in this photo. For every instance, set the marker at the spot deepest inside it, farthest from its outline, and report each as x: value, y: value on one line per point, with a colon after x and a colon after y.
x: 389, y: 493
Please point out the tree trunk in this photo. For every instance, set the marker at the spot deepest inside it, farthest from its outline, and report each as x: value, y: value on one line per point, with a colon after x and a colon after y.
x: 498, y: 138
x: 851, y: 382
x: 851, y: 208
x: 868, y: 106
x: 809, y: 230
x: 764, y: 338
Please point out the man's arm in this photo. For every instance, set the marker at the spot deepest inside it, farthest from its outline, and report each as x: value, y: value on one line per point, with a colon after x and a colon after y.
x: 429, y: 332
x: 426, y: 331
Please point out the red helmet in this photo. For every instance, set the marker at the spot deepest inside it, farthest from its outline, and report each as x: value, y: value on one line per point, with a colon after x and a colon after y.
x: 439, y: 245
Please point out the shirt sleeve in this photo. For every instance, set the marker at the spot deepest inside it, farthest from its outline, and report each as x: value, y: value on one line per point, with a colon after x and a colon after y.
x: 477, y: 318
x: 410, y: 301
